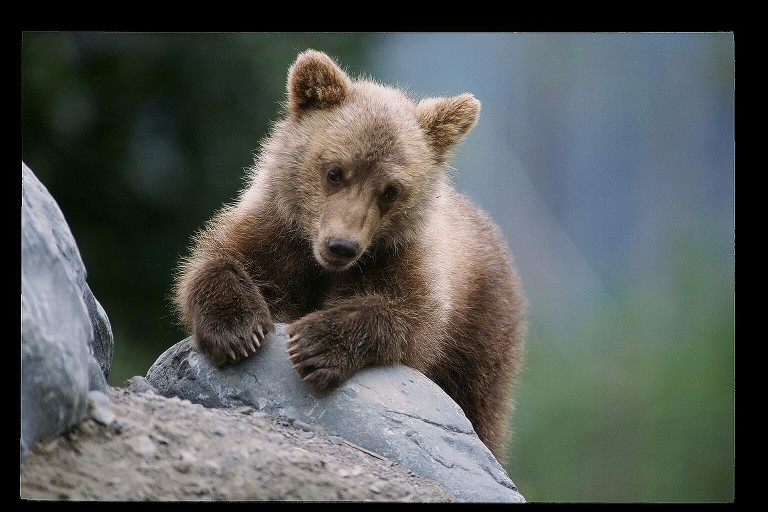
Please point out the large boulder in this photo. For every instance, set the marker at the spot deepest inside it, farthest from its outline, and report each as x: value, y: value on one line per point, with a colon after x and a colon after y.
x: 393, y: 411
x: 66, y: 338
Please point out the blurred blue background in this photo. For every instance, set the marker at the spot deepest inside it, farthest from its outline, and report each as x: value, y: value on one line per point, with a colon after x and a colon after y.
x: 607, y: 160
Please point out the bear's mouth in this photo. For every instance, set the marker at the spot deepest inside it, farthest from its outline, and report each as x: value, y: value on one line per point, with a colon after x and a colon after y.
x: 331, y: 261
x: 334, y: 261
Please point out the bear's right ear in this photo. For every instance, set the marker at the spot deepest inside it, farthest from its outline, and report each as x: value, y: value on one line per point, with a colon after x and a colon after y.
x: 446, y: 120
x: 315, y: 81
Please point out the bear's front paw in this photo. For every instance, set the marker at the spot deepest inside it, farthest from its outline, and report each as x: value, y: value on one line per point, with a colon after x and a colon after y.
x: 228, y: 343
x: 322, y: 359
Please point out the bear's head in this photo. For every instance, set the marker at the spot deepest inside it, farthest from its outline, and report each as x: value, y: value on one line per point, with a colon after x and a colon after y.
x: 357, y: 165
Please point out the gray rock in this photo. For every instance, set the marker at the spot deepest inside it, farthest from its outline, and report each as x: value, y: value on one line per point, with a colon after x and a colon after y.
x: 394, y: 411
x: 66, y: 339
x: 143, y: 445
x: 138, y: 384
x: 301, y: 425
x: 103, y: 415
x: 102, y: 342
x: 50, y: 224
x: 99, y: 399
x: 101, y: 407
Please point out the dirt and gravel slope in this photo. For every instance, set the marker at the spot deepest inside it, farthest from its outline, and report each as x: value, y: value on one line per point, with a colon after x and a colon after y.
x: 161, y: 448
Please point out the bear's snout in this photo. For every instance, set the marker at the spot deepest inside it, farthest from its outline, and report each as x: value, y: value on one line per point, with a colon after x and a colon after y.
x: 343, y: 247
x: 337, y: 253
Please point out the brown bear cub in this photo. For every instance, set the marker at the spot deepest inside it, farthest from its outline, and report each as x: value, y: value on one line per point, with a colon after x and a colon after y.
x: 350, y: 231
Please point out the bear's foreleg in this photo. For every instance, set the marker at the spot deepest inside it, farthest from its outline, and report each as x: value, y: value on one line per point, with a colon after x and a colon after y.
x: 226, y: 311
x: 327, y: 346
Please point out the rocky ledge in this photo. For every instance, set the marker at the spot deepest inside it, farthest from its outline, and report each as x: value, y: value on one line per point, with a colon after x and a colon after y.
x: 393, y: 411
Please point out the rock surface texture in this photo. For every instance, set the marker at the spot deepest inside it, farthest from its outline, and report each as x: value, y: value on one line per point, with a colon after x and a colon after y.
x: 66, y: 338
x: 392, y: 411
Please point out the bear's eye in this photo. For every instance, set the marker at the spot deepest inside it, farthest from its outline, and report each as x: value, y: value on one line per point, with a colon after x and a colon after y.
x: 334, y: 175
x: 390, y: 194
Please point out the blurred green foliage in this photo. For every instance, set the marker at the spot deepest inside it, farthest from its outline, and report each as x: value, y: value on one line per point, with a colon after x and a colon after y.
x: 141, y: 137
x: 643, y: 413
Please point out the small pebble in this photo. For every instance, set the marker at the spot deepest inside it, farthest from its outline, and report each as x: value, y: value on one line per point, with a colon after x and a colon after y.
x: 302, y: 425
x: 213, y: 467
x: 143, y: 445
x: 160, y: 438
x: 103, y: 415
x: 353, y: 471
x: 100, y: 407
x: 184, y: 455
x: 336, y: 439
x: 182, y: 466
x: 145, y: 466
x: 374, y: 489
x: 219, y: 430
x: 97, y: 398
x: 138, y: 384
x: 275, y: 438
x: 119, y: 425
x: 328, y: 459
x: 308, y: 435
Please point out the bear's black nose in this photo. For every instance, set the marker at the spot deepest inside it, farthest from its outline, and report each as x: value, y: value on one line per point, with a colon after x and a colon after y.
x: 342, y: 247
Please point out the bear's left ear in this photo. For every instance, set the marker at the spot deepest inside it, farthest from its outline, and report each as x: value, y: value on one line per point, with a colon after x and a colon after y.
x: 315, y: 81
x: 446, y: 120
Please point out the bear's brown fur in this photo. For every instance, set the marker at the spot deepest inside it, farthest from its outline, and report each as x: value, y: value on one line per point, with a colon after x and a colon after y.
x: 350, y: 231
